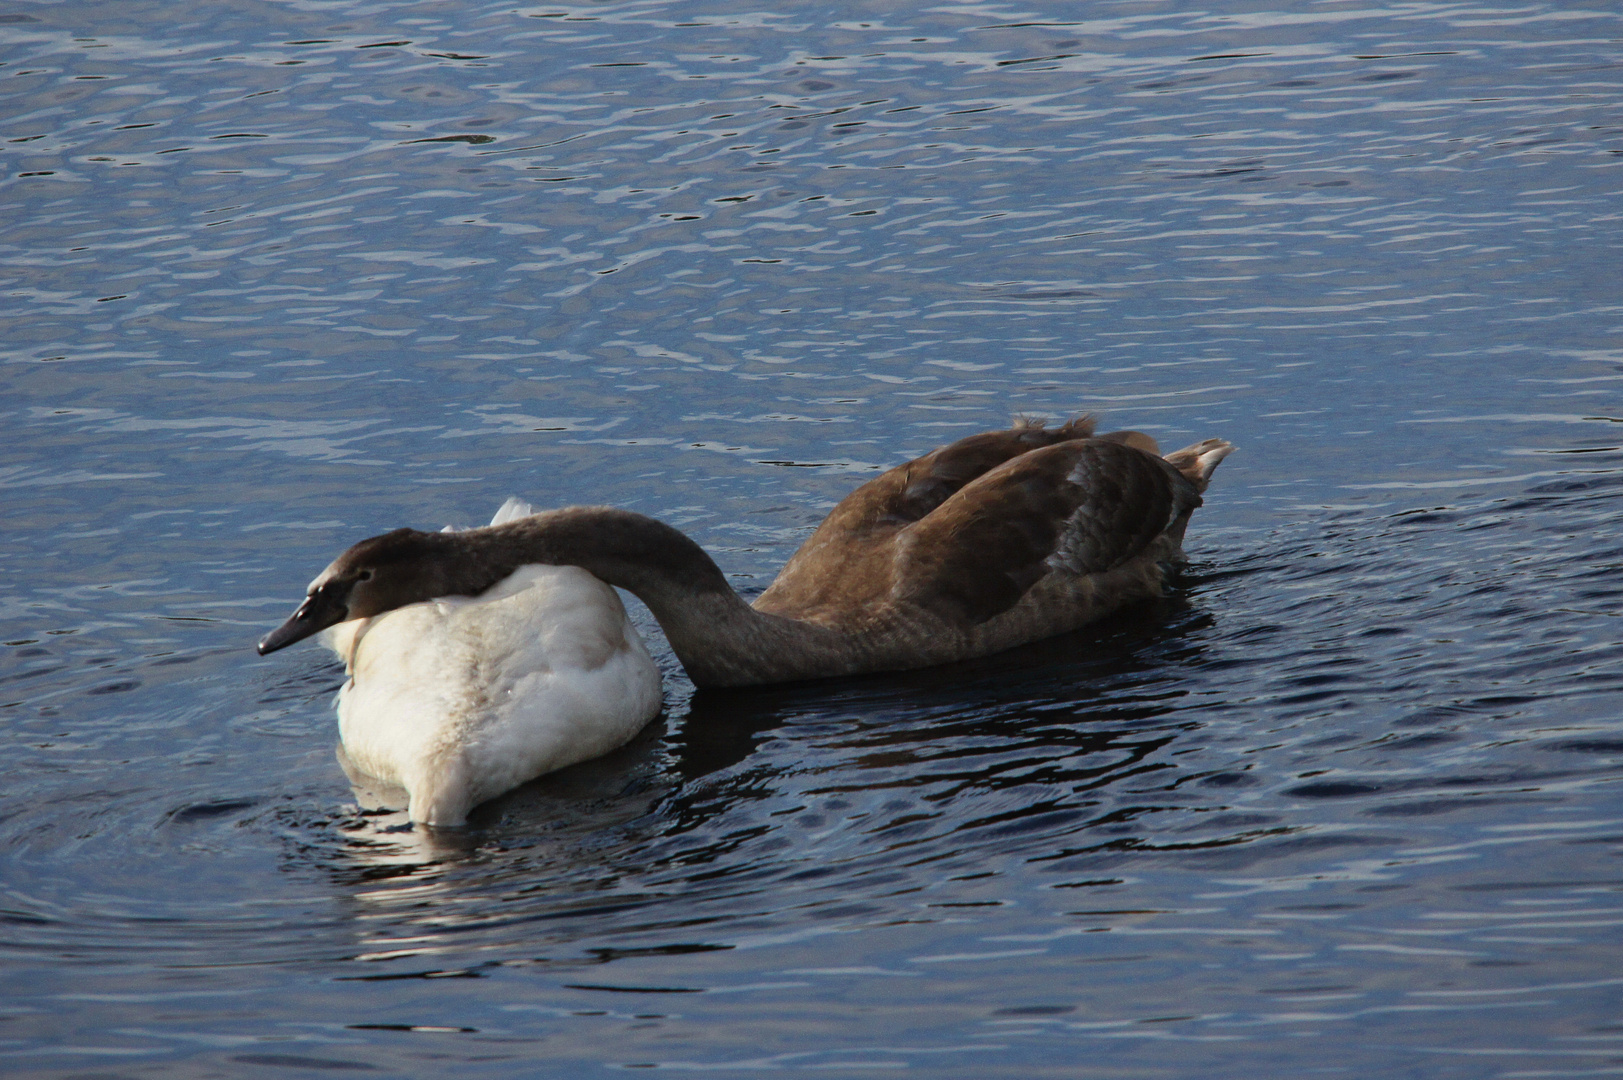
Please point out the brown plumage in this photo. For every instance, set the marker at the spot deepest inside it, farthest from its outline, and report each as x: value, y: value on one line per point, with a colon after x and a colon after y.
x: 990, y: 542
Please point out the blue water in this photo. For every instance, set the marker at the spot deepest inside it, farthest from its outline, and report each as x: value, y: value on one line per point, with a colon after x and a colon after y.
x: 280, y: 275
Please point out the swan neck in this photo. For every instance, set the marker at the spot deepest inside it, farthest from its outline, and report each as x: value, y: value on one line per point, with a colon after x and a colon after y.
x: 719, y: 638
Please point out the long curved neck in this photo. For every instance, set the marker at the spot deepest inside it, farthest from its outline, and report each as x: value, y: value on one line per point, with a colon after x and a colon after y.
x: 720, y: 639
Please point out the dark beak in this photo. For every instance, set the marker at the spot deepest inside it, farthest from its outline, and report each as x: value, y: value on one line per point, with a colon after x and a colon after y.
x: 320, y: 610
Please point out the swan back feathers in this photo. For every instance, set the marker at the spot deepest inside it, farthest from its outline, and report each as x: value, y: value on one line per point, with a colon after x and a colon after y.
x: 964, y: 533
x: 458, y: 699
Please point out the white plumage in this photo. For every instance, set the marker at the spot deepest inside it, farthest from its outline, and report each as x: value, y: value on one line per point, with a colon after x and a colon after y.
x: 459, y: 699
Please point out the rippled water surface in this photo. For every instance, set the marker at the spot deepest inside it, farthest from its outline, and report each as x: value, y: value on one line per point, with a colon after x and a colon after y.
x: 280, y: 275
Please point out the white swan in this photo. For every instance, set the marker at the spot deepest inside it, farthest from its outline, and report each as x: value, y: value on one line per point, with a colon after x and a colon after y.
x: 460, y: 698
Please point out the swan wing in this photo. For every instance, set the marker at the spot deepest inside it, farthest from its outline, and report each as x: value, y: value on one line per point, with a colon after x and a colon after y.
x: 1075, y: 508
x: 849, y: 549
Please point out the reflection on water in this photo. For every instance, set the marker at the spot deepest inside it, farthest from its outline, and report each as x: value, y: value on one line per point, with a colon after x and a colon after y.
x: 282, y: 276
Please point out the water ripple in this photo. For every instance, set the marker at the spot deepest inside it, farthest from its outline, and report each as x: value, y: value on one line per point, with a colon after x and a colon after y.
x: 278, y: 277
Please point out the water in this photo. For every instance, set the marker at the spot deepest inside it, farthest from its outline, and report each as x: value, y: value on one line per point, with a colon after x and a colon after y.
x: 281, y: 275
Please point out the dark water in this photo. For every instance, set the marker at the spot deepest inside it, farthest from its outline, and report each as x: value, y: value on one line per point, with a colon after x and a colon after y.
x: 281, y: 275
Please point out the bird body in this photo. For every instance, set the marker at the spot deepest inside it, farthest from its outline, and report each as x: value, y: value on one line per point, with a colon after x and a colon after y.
x: 457, y: 699
x: 996, y: 540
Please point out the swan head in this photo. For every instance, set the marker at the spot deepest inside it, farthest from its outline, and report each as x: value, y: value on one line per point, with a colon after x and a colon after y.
x: 376, y: 575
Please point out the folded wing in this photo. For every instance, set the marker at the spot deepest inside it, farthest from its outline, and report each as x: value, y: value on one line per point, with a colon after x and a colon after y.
x: 845, y: 564
x: 1077, y: 508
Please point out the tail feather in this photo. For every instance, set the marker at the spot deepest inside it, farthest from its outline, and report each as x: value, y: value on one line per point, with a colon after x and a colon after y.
x: 511, y: 510
x: 1197, y: 462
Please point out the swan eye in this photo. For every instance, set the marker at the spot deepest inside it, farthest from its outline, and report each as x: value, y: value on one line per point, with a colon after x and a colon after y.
x: 364, y: 575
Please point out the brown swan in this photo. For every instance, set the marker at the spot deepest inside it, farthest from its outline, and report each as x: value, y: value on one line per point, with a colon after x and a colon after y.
x: 987, y: 543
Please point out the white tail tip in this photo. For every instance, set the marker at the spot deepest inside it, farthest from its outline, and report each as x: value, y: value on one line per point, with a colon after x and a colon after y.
x: 1197, y: 462
x: 513, y: 509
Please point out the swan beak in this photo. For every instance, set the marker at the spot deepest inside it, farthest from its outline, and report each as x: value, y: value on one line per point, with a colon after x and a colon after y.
x: 320, y: 610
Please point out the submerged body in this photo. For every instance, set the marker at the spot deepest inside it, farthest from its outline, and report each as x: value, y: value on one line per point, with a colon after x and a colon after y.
x: 458, y: 699
x: 993, y: 541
